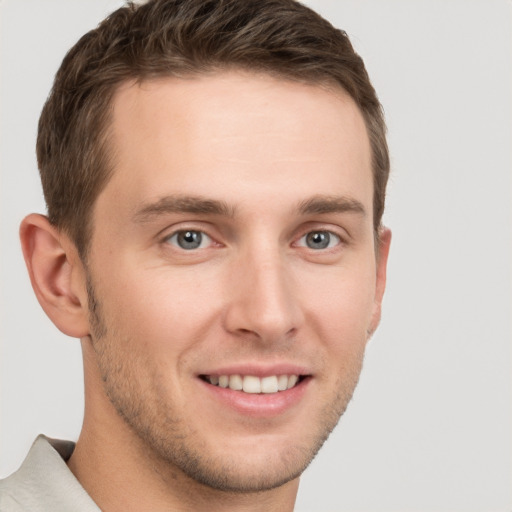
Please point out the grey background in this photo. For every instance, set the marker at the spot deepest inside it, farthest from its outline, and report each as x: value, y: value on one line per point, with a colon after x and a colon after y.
x: 430, y: 425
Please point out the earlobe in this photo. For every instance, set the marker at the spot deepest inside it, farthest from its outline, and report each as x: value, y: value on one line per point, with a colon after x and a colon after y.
x: 381, y: 270
x: 56, y: 274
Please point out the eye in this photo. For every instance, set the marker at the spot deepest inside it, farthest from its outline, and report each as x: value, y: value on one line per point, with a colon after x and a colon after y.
x: 190, y: 239
x: 319, y: 240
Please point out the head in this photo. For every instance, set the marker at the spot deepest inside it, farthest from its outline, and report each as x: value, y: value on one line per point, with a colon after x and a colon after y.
x: 215, y: 175
x: 173, y: 38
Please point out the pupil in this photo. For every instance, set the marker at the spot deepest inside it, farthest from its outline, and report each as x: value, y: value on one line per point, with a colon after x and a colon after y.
x: 318, y: 240
x: 189, y: 239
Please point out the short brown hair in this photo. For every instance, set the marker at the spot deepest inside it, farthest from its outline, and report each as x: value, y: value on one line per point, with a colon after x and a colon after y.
x: 181, y: 38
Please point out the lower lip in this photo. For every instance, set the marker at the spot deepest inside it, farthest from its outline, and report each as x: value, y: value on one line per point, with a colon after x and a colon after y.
x: 259, y: 405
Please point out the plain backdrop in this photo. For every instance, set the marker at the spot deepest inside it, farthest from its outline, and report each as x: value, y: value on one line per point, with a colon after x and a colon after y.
x: 430, y: 425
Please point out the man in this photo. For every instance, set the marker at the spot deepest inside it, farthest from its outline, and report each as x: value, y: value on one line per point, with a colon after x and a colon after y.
x: 215, y: 175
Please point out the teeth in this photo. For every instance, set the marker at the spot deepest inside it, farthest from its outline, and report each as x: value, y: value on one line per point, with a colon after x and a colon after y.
x: 282, y: 382
x: 269, y: 384
x: 235, y: 382
x: 252, y: 384
x: 292, y: 380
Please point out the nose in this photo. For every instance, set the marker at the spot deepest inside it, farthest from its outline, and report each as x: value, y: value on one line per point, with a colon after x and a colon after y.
x: 262, y: 302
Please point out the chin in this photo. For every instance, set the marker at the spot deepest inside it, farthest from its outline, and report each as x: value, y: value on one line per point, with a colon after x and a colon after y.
x: 242, y: 472
x: 249, y: 464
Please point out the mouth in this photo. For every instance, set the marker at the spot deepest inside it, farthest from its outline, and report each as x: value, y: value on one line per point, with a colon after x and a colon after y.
x: 252, y: 384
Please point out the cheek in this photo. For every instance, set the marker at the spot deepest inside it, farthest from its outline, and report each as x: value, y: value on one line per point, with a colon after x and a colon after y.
x: 159, y: 308
x: 342, y: 300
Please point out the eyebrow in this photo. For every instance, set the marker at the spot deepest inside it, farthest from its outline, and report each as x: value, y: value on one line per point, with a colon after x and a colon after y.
x: 201, y: 205
x: 182, y: 204
x: 331, y: 204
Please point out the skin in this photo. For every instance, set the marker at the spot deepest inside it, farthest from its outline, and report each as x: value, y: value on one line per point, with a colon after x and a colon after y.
x: 277, y: 161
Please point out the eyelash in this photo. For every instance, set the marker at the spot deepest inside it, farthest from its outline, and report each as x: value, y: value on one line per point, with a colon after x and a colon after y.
x: 174, y: 239
x: 184, y: 233
x: 331, y: 236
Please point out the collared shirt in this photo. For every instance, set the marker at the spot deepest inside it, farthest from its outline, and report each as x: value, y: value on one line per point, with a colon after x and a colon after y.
x: 44, y: 483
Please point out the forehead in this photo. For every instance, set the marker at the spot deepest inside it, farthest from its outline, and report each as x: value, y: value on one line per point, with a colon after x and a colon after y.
x: 236, y: 133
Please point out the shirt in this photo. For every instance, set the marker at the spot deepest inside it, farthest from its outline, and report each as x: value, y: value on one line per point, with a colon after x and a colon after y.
x: 44, y: 483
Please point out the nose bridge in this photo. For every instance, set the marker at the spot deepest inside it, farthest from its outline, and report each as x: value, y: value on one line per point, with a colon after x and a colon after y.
x: 263, y: 298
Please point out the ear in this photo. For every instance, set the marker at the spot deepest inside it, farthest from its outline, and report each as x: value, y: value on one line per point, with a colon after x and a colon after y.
x: 380, y: 283
x: 57, y: 275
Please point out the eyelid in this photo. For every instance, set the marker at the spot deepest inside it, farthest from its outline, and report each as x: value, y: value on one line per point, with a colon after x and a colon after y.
x: 166, y: 234
x: 315, y: 227
x: 205, y: 239
x: 332, y: 233
x: 186, y: 225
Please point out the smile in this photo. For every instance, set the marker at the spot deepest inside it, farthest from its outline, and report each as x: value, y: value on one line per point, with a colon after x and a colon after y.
x: 253, y: 384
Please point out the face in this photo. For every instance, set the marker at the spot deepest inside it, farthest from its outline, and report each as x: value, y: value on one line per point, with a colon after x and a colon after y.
x: 233, y: 272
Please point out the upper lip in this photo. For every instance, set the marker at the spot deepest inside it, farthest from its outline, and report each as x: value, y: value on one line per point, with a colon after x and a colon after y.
x: 259, y: 370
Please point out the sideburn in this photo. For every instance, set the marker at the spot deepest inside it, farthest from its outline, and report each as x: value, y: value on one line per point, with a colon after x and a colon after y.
x: 97, y: 323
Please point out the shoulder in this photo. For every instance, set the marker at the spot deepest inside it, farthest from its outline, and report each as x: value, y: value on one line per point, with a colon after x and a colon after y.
x: 44, y: 483
x: 9, y: 496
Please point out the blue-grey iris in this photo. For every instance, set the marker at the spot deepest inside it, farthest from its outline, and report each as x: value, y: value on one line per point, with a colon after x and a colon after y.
x: 189, y: 239
x: 318, y: 239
